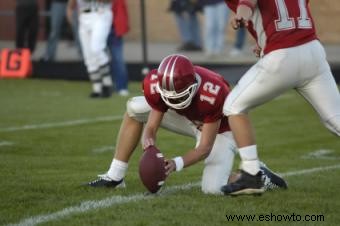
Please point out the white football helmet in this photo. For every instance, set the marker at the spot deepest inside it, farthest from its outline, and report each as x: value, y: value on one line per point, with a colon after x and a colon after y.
x: 177, y: 81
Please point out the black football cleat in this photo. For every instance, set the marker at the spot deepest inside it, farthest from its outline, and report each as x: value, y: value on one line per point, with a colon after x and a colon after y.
x: 271, y: 180
x: 95, y: 95
x: 246, y: 184
x: 105, y: 181
x: 106, y: 92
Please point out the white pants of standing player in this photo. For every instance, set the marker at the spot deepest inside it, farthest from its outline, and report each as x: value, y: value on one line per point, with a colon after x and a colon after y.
x: 218, y: 164
x: 303, y: 68
x: 94, y: 28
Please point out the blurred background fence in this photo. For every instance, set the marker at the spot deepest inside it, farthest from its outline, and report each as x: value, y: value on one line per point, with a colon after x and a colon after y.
x: 162, y: 38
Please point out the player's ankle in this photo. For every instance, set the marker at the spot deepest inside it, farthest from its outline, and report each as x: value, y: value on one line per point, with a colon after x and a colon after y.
x: 117, y: 170
x: 252, y: 167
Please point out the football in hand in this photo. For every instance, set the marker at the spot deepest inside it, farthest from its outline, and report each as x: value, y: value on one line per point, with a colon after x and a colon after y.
x: 152, y: 169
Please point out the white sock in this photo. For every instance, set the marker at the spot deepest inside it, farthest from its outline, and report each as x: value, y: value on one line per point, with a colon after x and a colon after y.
x: 117, y: 170
x: 97, y: 87
x: 250, y: 162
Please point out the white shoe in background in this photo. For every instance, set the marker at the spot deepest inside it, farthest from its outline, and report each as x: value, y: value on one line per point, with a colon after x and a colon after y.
x: 235, y: 52
x: 123, y: 93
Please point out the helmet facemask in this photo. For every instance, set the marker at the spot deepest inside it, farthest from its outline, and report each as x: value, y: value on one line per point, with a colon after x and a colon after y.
x: 178, y: 100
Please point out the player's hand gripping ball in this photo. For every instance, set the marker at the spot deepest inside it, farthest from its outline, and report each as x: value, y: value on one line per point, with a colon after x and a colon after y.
x: 152, y: 169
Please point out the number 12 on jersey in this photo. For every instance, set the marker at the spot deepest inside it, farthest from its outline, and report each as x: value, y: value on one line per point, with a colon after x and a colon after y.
x: 212, y: 89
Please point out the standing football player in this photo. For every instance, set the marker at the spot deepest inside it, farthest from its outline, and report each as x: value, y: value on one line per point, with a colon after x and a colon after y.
x: 291, y: 58
x: 187, y: 100
x: 95, y: 20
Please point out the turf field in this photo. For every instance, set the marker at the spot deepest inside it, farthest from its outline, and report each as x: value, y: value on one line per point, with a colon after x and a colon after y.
x: 53, y: 139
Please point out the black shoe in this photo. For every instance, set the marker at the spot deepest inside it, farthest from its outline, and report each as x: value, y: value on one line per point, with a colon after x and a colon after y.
x: 44, y: 60
x: 194, y: 47
x: 183, y: 47
x: 105, y: 181
x: 107, y: 91
x: 95, y: 95
x: 247, y: 184
x: 189, y: 46
x: 271, y: 180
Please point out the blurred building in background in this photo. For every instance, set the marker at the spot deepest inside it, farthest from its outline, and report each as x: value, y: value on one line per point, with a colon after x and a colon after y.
x: 161, y: 26
x: 162, y: 39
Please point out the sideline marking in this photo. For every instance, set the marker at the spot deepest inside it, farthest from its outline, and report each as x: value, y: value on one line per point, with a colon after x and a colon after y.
x: 118, y: 199
x: 61, y: 124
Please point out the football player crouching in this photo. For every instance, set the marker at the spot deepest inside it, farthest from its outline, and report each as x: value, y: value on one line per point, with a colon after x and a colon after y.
x: 188, y: 100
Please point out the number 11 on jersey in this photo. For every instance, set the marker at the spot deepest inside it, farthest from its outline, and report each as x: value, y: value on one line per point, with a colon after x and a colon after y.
x: 285, y: 22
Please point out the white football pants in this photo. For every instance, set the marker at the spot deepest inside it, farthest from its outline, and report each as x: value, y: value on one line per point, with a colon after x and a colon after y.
x: 303, y: 68
x: 94, y: 28
x: 218, y: 164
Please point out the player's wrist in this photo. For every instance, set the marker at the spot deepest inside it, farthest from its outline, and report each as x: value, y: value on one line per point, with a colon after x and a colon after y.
x: 179, y: 162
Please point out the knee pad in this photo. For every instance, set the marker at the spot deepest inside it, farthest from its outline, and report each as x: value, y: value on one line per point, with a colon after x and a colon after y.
x: 218, y: 164
x: 213, y: 179
x: 215, y: 176
x: 138, y: 108
x: 333, y: 124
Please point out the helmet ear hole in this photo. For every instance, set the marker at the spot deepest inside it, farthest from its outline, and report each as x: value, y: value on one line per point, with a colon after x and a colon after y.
x: 177, y: 81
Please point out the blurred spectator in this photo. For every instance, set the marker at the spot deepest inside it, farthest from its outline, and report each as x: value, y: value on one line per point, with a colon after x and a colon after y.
x: 58, y: 16
x: 185, y: 12
x: 239, y: 42
x: 120, y: 27
x: 75, y: 27
x: 216, y: 15
x: 58, y: 13
x: 26, y: 24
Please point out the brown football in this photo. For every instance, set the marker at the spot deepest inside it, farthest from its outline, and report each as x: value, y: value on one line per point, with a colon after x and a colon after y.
x: 152, y: 169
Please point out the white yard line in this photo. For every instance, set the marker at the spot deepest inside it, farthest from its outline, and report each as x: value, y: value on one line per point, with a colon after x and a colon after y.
x: 312, y: 170
x: 320, y: 154
x: 61, y: 124
x: 117, y: 199
x: 103, y: 149
x: 5, y: 143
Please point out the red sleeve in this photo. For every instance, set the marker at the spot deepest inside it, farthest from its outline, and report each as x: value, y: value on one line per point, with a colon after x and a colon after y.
x: 151, y: 94
x: 252, y: 31
x: 232, y: 4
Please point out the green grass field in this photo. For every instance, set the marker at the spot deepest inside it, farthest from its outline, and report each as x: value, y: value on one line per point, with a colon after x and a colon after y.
x: 53, y: 139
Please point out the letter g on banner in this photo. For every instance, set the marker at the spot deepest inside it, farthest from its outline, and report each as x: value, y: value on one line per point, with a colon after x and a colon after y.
x: 15, y: 63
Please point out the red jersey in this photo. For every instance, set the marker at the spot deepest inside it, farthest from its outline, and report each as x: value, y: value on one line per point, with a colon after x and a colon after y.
x: 279, y: 24
x: 206, y: 106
